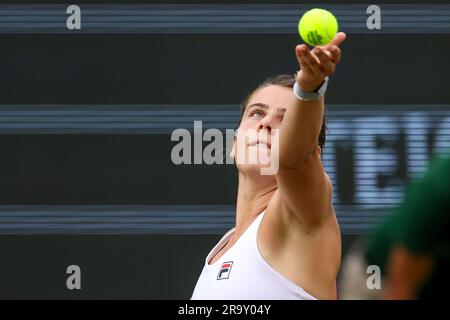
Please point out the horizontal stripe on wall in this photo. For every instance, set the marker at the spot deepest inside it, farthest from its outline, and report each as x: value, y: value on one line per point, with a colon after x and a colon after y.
x: 170, y: 219
x: 372, y: 151
x: 215, y: 18
x: 122, y: 119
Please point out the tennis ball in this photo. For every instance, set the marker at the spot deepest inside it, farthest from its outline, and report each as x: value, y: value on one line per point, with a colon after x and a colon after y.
x: 317, y: 27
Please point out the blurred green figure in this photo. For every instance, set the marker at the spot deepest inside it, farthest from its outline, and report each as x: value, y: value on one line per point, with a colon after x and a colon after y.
x: 412, y: 247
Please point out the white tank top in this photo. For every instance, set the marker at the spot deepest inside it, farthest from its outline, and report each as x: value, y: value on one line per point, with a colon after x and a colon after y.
x: 243, y: 274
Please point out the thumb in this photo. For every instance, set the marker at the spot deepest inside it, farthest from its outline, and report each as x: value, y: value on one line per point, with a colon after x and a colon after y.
x: 338, y: 39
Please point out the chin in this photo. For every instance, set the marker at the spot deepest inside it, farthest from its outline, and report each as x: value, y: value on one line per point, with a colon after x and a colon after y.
x: 253, y: 169
x: 256, y: 160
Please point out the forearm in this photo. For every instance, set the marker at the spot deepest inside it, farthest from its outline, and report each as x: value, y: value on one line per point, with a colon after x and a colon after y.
x: 299, y: 133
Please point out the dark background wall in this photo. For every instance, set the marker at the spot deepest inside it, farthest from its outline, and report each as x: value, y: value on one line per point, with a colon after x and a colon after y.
x: 378, y: 73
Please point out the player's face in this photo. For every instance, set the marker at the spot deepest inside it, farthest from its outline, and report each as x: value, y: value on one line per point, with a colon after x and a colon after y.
x: 260, y: 124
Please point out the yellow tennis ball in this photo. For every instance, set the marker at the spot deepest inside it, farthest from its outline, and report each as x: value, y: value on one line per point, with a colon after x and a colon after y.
x: 317, y: 27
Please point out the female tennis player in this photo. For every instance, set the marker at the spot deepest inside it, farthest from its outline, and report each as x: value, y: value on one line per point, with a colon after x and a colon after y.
x: 286, y: 242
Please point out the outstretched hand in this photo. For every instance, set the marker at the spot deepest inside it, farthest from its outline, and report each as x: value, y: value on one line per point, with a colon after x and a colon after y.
x: 318, y: 63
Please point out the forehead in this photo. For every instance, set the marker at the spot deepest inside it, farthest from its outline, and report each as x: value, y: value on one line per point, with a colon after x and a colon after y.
x: 273, y: 95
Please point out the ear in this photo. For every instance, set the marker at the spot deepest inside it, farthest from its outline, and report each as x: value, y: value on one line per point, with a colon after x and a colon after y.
x: 319, y: 150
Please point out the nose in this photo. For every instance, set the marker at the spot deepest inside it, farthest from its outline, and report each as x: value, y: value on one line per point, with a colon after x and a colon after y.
x: 266, y: 124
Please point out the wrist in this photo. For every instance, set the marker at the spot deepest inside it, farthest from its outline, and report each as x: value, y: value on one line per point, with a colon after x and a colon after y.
x: 311, y: 87
x: 314, y: 93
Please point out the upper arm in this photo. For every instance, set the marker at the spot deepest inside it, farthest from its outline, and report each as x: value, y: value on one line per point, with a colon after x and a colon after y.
x: 305, y: 192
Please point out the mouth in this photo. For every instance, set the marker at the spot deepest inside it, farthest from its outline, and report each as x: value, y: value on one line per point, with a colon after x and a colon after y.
x: 259, y: 144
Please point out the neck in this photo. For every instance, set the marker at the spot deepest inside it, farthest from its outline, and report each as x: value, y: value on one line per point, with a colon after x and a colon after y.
x: 254, y: 193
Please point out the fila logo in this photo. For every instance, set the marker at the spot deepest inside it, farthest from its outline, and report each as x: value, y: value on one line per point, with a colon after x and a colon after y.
x: 225, y: 269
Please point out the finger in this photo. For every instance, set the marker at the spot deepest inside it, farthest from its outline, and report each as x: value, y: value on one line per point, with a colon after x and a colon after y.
x: 303, y: 55
x: 304, y: 64
x: 338, y: 39
x: 328, y: 53
x: 313, y: 62
x: 335, y: 53
x: 301, y: 58
x: 326, y: 64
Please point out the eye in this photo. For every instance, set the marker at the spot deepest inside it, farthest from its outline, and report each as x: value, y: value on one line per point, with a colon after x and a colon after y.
x: 256, y: 114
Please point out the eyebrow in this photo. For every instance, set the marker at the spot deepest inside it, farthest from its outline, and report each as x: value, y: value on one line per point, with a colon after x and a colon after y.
x: 265, y: 106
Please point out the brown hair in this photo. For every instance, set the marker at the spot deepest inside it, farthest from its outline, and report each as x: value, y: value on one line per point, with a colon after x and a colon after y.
x: 285, y: 80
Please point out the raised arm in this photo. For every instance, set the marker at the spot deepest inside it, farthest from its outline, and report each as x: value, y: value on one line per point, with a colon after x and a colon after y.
x: 303, y: 119
x: 304, y: 187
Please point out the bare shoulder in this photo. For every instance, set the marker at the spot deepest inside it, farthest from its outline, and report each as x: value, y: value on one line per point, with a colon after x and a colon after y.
x: 308, y: 255
x: 280, y: 222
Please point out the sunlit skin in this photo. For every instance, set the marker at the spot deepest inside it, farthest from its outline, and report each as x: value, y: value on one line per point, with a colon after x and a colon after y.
x: 406, y: 273
x: 299, y: 234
